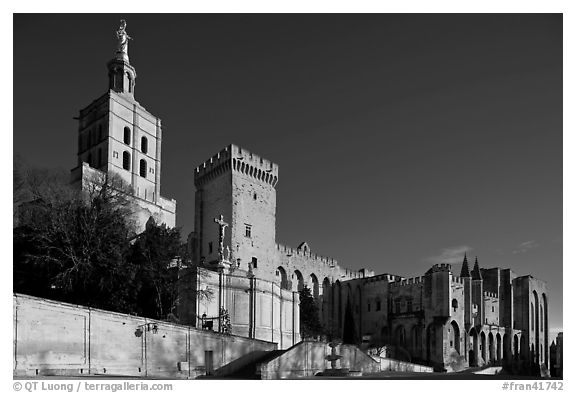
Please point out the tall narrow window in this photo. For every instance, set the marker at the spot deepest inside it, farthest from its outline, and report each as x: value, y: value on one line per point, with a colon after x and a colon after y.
x: 210, y: 250
x: 100, y: 133
x: 248, y: 230
x: 144, y: 145
x: 143, y: 168
x: 126, y: 160
x: 254, y: 262
x: 127, y: 135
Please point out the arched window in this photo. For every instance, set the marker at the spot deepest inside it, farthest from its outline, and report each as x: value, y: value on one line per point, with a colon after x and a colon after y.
x: 126, y: 160
x: 144, y: 145
x: 454, y: 304
x: 143, y: 168
x: 532, y: 316
x: 127, y: 135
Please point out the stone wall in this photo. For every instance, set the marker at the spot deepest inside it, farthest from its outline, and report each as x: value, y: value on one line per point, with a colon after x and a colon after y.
x: 258, y: 308
x: 55, y: 338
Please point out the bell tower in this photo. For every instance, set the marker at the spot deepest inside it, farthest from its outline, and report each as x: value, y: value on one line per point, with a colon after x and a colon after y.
x: 121, y: 75
x: 118, y: 135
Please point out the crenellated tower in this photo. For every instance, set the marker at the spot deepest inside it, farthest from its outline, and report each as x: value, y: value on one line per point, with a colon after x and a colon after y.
x: 241, y: 186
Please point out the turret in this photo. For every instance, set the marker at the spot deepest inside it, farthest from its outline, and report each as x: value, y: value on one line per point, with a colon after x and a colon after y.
x: 465, y: 275
x: 477, y: 293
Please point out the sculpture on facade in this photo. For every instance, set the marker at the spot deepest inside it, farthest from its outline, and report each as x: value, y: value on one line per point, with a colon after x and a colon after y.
x: 123, y: 38
x: 221, y: 233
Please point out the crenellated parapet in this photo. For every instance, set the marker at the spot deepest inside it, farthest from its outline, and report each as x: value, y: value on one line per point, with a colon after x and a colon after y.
x: 215, y: 166
x: 440, y: 267
x: 289, y: 251
x: 490, y: 295
x: 237, y: 159
x: 457, y: 280
x: 390, y: 278
x: 413, y: 281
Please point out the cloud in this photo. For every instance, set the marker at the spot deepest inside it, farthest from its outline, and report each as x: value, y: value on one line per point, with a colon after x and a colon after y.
x: 525, y: 247
x: 450, y: 255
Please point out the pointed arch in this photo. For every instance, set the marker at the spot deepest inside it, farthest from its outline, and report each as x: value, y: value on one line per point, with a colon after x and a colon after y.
x: 300, y: 280
x: 455, y: 336
x: 314, y: 286
x: 282, y: 278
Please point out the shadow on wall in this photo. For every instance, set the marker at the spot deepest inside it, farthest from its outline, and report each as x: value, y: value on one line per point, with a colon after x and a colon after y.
x: 54, y: 338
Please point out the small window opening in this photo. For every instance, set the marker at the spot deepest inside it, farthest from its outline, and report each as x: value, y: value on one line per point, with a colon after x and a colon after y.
x: 143, y: 168
x: 248, y: 232
x: 254, y: 262
x: 127, y: 137
x: 126, y: 160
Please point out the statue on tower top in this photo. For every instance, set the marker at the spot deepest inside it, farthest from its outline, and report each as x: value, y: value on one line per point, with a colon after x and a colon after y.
x: 123, y: 38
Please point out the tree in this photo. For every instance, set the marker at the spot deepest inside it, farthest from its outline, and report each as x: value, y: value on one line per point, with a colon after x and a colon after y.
x: 309, y: 315
x: 156, y: 255
x: 72, y: 246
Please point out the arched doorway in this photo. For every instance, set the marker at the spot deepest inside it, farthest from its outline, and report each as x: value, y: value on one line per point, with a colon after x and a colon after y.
x: 454, y: 336
x: 473, y: 353
x: 545, y: 319
x: 491, y: 351
x: 535, y: 350
x: 400, y: 336
x: 507, y: 347
x: 483, y: 346
x: 498, y: 347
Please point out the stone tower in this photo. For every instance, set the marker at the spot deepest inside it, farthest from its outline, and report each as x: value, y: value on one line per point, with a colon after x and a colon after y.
x: 240, y: 186
x: 117, y: 135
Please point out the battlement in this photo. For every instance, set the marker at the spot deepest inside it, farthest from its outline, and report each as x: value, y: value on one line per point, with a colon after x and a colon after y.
x: 492, y: 295
x: 213, y: 167
x: 235, y: 158
x: 413, y: 281
x: 327, y: 261
x: 458, y: 280
x: 380, y: 277
x: 442, y: 267
x: 253, y: 165
x: 331, y: 262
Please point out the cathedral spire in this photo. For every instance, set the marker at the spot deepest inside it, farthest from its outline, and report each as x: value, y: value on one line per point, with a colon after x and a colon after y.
x: 476, y: 274
x: 121, y: 74
x: 465, y: 271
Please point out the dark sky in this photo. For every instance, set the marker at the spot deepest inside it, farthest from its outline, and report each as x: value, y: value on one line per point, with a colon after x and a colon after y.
x: 402, y: 140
